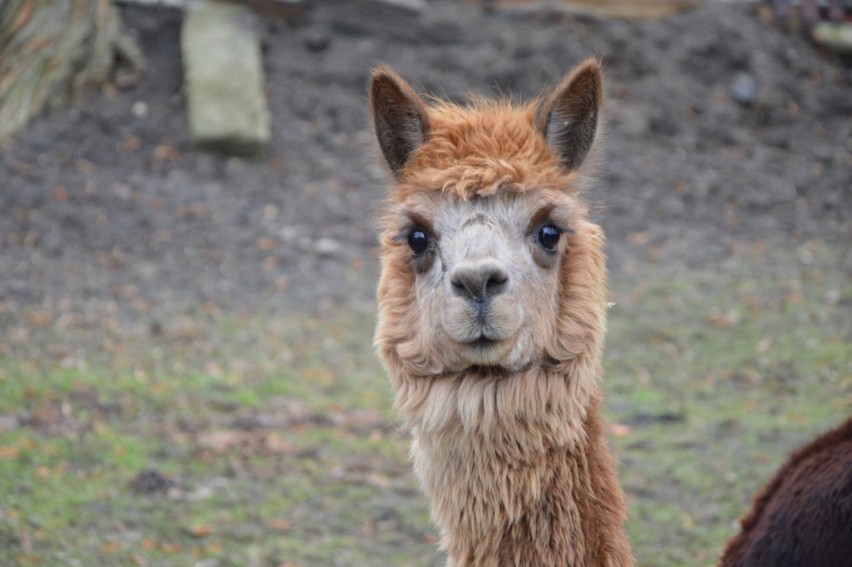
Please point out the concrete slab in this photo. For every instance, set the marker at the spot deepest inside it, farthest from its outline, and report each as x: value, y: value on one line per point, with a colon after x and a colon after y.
x: 223, y: 75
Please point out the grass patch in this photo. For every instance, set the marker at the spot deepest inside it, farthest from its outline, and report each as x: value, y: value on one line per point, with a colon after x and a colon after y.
x: 718, y: 376
x: 249, y: 440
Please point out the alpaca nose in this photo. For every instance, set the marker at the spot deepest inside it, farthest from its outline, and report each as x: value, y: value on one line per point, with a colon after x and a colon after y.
x: 479, y: 280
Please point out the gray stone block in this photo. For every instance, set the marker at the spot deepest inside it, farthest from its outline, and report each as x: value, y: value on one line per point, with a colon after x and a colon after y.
x: 223, y: 74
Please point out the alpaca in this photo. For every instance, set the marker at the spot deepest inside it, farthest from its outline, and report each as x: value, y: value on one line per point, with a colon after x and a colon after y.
x: 803, y: 517
x: 492, y: 307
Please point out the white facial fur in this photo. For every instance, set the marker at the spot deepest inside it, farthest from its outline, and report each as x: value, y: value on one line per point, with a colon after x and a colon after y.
x: 498, y: 233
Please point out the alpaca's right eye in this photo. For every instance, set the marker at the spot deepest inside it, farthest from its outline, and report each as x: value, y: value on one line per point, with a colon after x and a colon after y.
x: 418, y: 241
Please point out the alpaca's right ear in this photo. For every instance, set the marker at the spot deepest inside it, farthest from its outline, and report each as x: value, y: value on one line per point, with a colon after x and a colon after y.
x: 399, y: 116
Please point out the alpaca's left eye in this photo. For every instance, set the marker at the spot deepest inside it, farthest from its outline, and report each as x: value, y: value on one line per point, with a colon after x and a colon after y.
x: 548, y: 236
x: 418, y: 241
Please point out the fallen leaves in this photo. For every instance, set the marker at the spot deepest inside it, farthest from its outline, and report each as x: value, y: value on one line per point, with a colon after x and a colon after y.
x: 165, y: 152
x: 620, y: 430
x: 201, y: 531
x: 638, y: 238
x: 279, y: 524
x: 725, y: 320
x: 265, y: 433
x: 131, y: 144
x: 38, y: 318
x: 110, y: 547
x: 266, y: 442
x: 267, y: 243
x: 60, y: 193
x: 8, y: 452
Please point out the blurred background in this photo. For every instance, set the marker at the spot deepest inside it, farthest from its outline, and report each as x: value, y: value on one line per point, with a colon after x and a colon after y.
x: 186, y: 308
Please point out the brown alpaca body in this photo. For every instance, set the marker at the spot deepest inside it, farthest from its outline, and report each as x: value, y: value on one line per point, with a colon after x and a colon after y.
x: 803, y: 516
x: 492, y: 308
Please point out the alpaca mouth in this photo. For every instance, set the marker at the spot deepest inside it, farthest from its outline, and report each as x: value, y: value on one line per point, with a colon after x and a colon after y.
x: 482, y: 343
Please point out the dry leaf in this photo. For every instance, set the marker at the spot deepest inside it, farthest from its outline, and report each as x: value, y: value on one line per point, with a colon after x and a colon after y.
x: 131, y: 144
x: 39, y: 318
x: 201, y: 531
x: 638, y: 238
x: 60, y: 193
x: 110, y: 547
x: 621, y: 430
x: 222, y: 440
x: 279, y: 524
x: 8, y: 452
x: 267, y: 243
x: 725, y: 320
x: 275, y: 443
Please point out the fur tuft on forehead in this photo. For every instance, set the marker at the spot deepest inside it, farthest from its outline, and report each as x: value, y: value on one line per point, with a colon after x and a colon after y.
x: 474, y: 150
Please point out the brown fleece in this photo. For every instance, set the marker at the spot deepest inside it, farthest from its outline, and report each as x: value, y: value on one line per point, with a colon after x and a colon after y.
x: 803, y: 517
x: 511, y: 451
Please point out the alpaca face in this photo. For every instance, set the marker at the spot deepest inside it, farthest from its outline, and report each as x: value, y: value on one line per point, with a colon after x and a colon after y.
x: 483, y: 231
x: 480, y: 271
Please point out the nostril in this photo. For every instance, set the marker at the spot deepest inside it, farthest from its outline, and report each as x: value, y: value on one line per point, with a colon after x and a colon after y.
x: 496, y: 283
x: 464, y: 285
x: 479, y: 281
x: 459, y: 287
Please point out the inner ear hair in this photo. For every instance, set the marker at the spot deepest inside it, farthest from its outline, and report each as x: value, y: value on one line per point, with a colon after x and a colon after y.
x: 568, y: 118
x: 399, y: 116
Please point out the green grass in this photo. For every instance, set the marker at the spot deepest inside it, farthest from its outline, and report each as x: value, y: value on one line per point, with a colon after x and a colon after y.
x: 305, y: 490
x: 746, y: 366
x: 271, y: 430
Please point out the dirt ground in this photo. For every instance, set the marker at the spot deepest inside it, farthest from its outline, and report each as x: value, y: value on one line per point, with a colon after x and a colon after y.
x: 729, y: 152
x: 107, y: 205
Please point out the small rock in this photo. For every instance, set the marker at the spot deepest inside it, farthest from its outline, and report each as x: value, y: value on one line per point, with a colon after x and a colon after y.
x: 631, y: 120
x: 234, y: 167
x: 284, y: 10
x: 122, y: 191
x: 139, y: 109
x: 410, y: 6
x: 8, y: 422
x: 776, y: 190
x: 290, y: 233
x: 317, y: 41
x: 150, y: 481
x: 372, y: 17
x: 836, y: 35
x: 442, y: 31
x: 35, y: 521
x: 327, y: 247
x: 743, y: 89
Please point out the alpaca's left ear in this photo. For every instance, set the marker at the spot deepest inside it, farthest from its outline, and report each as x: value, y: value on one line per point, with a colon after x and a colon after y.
x: 568, y: 118
x: 399, y: 116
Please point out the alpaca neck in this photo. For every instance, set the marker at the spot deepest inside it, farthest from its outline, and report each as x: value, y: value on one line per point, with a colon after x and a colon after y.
x: 517, y: 467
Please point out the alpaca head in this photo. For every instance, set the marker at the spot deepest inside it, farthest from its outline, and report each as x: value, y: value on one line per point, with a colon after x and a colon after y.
x: 489, y: 263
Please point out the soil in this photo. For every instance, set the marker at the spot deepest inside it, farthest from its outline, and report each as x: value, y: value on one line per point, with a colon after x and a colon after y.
x: 722, y: 132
